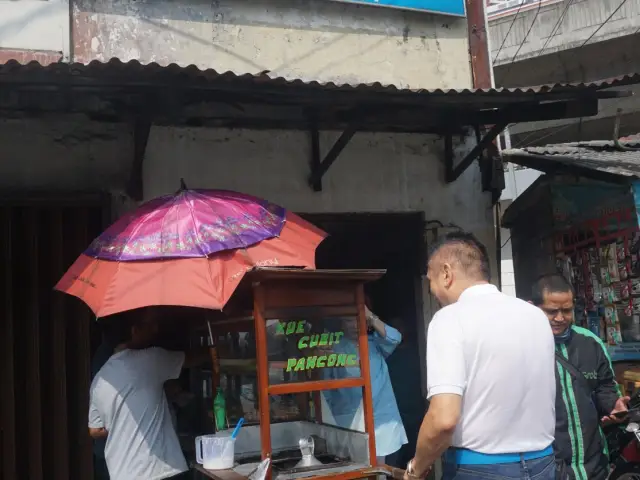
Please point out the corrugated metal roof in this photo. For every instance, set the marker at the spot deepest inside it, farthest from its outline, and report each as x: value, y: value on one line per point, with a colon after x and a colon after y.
x: 175, y: 95
x: 598, y: 156
x: 15, y: 72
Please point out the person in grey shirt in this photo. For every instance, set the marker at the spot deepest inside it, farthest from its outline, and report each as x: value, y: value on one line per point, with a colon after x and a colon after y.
x: 128, y: 405
x: 101, y: 356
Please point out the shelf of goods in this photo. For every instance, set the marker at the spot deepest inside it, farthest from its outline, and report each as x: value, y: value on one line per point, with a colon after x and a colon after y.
x: 601, y: 258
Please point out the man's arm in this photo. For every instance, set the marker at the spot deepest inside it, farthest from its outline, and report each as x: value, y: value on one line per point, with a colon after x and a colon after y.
x: 607, y: 394
x: 96, y: 425
x: 387, y: 338
x: 446, y: 382
x: 436, y: 431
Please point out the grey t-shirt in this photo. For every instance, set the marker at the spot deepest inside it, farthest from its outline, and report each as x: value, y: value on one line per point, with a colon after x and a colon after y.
x: 128, y: 400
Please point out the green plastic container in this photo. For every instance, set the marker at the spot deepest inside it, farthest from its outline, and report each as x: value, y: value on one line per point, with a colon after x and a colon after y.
x: 220, y: 410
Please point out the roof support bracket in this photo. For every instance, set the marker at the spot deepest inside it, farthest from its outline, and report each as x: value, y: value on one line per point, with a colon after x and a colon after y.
x: 448, y: 155
x: 141, y: 129
x: 453, y: 173
x: 319, y: 168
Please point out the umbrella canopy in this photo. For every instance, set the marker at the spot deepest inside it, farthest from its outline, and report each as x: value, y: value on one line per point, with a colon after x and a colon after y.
x: 164, y: 277
x: 188, y: 224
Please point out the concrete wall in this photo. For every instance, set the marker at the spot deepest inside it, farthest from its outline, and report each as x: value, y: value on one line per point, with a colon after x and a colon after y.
x: 375, y: 173
x: 308, y: 39
x: 582, y: 18
x: 35, y: 25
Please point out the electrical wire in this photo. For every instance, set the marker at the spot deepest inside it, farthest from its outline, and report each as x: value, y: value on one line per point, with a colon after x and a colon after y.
x: 504, y: 40
x: 572, y: 124
x: 555, y: 27
x: 535, y: 17
x: 603, y: 23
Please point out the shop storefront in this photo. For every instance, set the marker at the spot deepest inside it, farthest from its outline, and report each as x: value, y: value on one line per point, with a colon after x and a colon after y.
x: 582, y: 220
x: 129, y: 132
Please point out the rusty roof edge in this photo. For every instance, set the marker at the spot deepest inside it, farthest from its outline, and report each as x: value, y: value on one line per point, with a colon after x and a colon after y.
x: 14, y: 68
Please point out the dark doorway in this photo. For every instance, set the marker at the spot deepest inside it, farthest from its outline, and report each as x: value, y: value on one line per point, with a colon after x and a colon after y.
x: 394, y: 242
x: 46, y: 337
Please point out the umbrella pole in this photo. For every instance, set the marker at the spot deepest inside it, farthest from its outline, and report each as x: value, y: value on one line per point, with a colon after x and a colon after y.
x: 210, y: 333
x: 215, y: 364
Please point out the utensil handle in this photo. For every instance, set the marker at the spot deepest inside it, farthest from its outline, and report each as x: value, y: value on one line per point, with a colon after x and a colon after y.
x: 199, y: 458
x: 237, y: 429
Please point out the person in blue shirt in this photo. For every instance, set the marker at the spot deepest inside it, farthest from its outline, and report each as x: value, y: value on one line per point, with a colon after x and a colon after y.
x: 345, y: 403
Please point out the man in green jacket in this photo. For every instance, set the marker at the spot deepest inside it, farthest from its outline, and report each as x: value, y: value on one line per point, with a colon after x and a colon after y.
x: 582, y: 403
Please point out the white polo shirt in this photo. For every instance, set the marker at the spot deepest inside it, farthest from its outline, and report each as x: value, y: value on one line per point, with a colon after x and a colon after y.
x: 497, y: 352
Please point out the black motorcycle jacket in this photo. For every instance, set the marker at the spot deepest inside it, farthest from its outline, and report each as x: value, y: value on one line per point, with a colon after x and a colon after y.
x: 579, y: 440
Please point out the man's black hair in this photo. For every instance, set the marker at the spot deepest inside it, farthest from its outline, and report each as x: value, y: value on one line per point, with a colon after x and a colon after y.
x: 118, y: 331
x: 467, y: 250
x: 117, y: 327
x: 549, y: 283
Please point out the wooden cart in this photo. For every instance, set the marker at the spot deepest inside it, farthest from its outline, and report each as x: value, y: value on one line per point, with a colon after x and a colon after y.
x: 310, y: 340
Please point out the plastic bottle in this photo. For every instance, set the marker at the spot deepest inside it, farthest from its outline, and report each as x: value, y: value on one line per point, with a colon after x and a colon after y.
x: 220, y: 410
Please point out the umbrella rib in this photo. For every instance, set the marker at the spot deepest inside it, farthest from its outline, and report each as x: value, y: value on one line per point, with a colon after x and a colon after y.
x: 174, y: 201
x: 195, y: 229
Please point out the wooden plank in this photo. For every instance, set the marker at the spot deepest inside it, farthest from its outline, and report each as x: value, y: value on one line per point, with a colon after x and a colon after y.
x: 299, y: 293
x: 34, y: 398
x: 59, y: 421
x: 263, y: 373
x: 314, y: 386
x: 7, y: 372
x: 314, y: 312
x: 365, y: 372
x: 218, y: 474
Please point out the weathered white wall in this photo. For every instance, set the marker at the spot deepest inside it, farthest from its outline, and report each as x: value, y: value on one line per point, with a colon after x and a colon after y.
x: 375, y: 172
x: 35, y: 25
x: 308, y: 39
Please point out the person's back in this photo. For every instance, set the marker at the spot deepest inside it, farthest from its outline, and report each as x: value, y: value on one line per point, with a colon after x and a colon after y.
x: 490, y: 381
x: 128, y: 406
x: 129, y: 396
x: 508, y: 355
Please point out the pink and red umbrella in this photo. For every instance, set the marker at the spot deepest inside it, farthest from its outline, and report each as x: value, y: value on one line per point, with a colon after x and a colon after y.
x: 189, y: 224
x: 190, y: 249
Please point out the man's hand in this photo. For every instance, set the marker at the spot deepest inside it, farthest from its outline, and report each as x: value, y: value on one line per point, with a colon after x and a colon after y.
x: 373, y: 321
x: 411, y: 474
x: 97, y: 433
x: 620, y: 406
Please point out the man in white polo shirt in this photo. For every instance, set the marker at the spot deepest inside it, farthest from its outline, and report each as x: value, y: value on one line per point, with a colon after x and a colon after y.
x: 490, y: 375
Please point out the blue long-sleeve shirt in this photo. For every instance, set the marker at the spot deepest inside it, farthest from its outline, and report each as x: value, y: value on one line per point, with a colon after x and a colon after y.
x: 344, y: 402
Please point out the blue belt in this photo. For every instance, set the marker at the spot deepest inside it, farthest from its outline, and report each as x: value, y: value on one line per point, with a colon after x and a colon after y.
x: 462, y: 456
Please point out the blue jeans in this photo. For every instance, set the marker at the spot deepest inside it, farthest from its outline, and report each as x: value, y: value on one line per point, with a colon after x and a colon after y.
x: 539, y: 469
